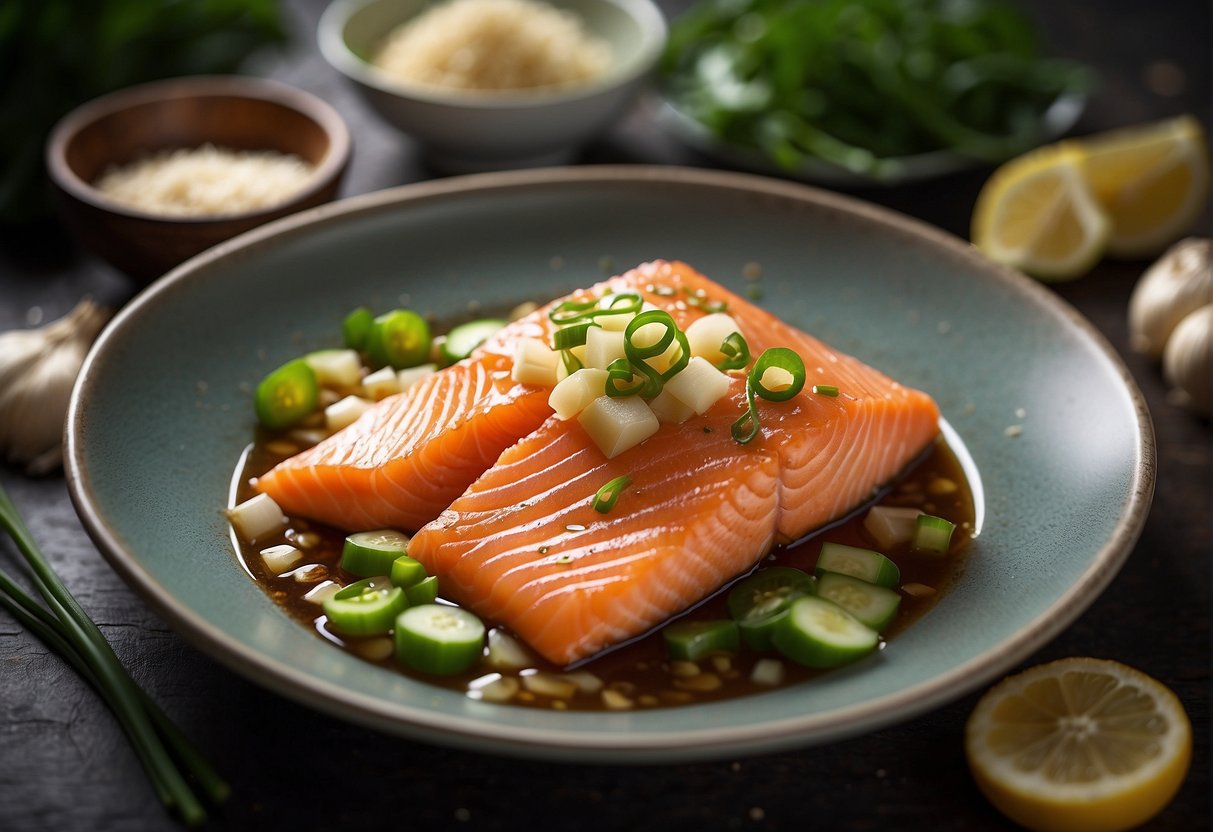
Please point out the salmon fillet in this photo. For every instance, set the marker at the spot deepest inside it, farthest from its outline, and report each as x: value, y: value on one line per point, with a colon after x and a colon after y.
x: 404, y: 461
x: 524, y: 546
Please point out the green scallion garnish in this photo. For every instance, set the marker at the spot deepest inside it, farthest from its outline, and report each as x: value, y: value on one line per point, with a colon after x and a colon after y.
x: 825, y: 390
x: 582, y: 311
x: 746, y: 427
x: 63, y: 625
x: 571, y: 336
x: 606, y: 497
x: 619, y: 372
x: 736, y: 353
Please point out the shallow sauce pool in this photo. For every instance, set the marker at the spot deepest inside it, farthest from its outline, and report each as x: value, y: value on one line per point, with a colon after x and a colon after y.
x: 638, y: 673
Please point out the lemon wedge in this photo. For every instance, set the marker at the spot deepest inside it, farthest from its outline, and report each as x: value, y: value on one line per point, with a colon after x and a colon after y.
x: 1079, y: 744
x: 1152, y: 181
x: 1037, y: 214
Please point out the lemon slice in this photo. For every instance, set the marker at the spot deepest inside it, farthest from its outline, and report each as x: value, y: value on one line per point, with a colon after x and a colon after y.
x: 1037, y: 214
x: 1079, y: 744
x: 1152, y: 181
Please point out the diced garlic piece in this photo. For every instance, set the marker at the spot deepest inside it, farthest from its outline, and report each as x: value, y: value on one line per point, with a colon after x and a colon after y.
x: 616, y: 424
x: 256, y: 517
x: 767, y: 672
x: 322, y: 592
x: 494, y: 688
x: 506, y: 652
x: 776, y: 379
x: 409, y: 376
x: 698, y: 386
x: 585, y: 681
x: 534, y: 362
x: 345, y: 412
x: 891, y: 526
x: 381, y: 384
x: 570, y: 396
x: 310, y: 573
x: 613, y: 700
x: 706, y: 334
x: 602, y: 346
x: 548, y: 684
x: 335, y: 368
x: 280, y: 558
x: 669, y: 410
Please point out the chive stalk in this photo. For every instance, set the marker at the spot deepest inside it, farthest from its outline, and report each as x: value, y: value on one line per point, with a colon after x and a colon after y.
x: 66, y: 628
x: 606, y: 497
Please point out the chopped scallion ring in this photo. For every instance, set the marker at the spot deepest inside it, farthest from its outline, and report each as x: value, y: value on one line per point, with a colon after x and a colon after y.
x: 606, y: 497
x: 571, y: 336
x: 736, y: 353
x: 746, y: 427
x: 286, y: 395
x: 620, y: 370
x: 581, y: 311
x: 825, y: 390
x: 356, y: 326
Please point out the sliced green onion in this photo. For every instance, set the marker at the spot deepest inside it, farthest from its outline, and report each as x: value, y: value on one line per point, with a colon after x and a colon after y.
x: 700, y: 300
x: 286, y: 395
x: 606, y: 497
x: 825, y: 390
x: 424, y: 591
x: 692, y: 640
x: 356, y: 326
x: 435, y: 638
x: 736, y: 352
x: 933, y: 534
x: 746, y: 427
x: 638, y: 355
x: 784, y: 359
x: 621, y: 370
x: 579, y: 311
x: 571, y: 336
x: 661, y: 290
x: 399, y: 339
x: 464, y: 339
x: 571, y: 362
x: 371, y: 553
x: 366, y: 608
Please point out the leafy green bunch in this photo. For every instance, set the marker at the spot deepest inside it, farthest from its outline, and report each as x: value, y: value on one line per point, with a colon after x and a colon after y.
x: 860, y: 83
x: 56, y: 54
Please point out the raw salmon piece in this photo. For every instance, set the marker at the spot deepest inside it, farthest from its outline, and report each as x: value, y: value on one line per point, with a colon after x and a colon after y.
x: 525, y: 548
x: 403, y: 461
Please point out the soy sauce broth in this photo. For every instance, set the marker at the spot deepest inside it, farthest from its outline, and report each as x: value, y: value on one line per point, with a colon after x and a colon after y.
x: 638, y: 674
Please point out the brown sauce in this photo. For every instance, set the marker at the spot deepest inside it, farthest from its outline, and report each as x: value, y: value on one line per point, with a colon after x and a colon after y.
x: 639, y: 674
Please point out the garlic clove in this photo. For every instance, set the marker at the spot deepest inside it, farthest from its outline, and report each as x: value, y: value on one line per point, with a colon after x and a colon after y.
x: 1187, y: 362
x: 38, y: 368
x: 1178, y: 283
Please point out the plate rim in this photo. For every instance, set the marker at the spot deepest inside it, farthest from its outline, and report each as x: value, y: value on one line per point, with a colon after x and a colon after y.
x: 574, y: 745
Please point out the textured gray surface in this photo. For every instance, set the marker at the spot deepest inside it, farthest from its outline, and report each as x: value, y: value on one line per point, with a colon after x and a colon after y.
x: 65, y: 765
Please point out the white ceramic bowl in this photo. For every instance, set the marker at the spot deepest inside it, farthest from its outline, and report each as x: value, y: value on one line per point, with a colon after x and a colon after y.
x: 464, y: 131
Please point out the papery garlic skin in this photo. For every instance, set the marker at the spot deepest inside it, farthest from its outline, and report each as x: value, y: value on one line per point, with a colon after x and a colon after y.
x: 38, y: 368
x: 1179, y: 283
x: 1187, y: 362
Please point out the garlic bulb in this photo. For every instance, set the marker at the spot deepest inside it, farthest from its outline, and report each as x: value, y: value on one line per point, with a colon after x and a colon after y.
x: 38, y: 368
x: 1187, y: 361
x: 1178, y: 283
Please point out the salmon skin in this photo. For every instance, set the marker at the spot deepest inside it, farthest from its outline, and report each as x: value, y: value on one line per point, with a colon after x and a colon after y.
x: 524, y: 546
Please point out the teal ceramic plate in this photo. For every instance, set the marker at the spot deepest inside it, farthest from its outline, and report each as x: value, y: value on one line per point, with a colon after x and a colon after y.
x: 162, y: 412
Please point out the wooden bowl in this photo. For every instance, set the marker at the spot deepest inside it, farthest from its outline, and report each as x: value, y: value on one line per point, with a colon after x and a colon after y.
x: 237, y: 113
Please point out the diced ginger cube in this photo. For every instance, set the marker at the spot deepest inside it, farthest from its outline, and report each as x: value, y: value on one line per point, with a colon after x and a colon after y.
x: 257, y: 516
x: 616, y: 424
x: 280, y: 558
x: 571, y: 395
x: 706, y: 334
x: 345, y: 412
x: 891, y: 526
x: 669, y: 410
x: 335, y: 368
x: 380, y: 384
x: 602, y: 346
x: 534, y: 362
x: 409, y: 376
x: 698, y: 386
